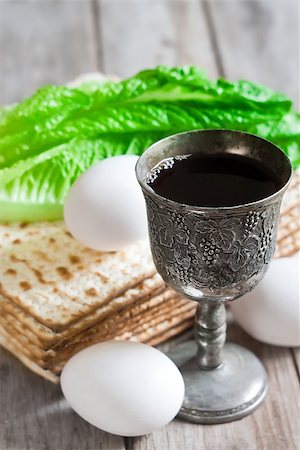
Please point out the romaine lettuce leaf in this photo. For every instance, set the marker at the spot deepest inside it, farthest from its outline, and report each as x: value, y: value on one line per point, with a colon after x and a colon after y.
x: 48, y: 140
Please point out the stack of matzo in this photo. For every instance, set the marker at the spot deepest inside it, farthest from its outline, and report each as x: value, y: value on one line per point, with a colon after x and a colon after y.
x: 57, y: 297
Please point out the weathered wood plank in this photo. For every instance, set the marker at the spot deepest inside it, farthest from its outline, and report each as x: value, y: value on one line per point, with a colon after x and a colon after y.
x: 259, y: 40
x: 139, y: 34
x: 43, y: 42
x: 296, y: 355
x: 35, y: 416
x: 273, y: 426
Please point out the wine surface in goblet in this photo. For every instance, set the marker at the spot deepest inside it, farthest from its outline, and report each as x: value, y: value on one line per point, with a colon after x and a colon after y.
x: 212, y: 253
x: 216, y: 180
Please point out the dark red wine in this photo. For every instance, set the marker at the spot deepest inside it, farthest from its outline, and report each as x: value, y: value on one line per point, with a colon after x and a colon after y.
x: 213, y: 180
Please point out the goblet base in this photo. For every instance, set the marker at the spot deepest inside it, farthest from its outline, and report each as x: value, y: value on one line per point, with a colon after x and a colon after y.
x: 229, y: 392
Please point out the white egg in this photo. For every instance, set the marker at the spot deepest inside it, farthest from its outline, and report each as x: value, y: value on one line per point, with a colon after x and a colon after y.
x: 105, y: 209
x: 271, y: 312
x: 124, y: 388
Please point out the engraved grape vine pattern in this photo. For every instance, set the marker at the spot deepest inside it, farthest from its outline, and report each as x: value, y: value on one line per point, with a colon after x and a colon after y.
x: 210, y: 249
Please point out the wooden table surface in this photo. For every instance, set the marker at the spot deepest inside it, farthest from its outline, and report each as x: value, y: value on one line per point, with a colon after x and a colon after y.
x: 53, y: 41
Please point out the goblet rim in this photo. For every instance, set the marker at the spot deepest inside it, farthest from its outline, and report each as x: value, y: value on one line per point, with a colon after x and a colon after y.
x: 178, y: 205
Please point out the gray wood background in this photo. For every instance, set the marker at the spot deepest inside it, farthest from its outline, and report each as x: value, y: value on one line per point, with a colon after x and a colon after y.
x: 53, y: 41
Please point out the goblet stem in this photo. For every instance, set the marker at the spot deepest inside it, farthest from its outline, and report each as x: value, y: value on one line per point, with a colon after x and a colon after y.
x: 210, y: 333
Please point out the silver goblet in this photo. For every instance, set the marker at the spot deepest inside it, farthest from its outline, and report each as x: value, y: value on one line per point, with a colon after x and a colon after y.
x: 214, y: 255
